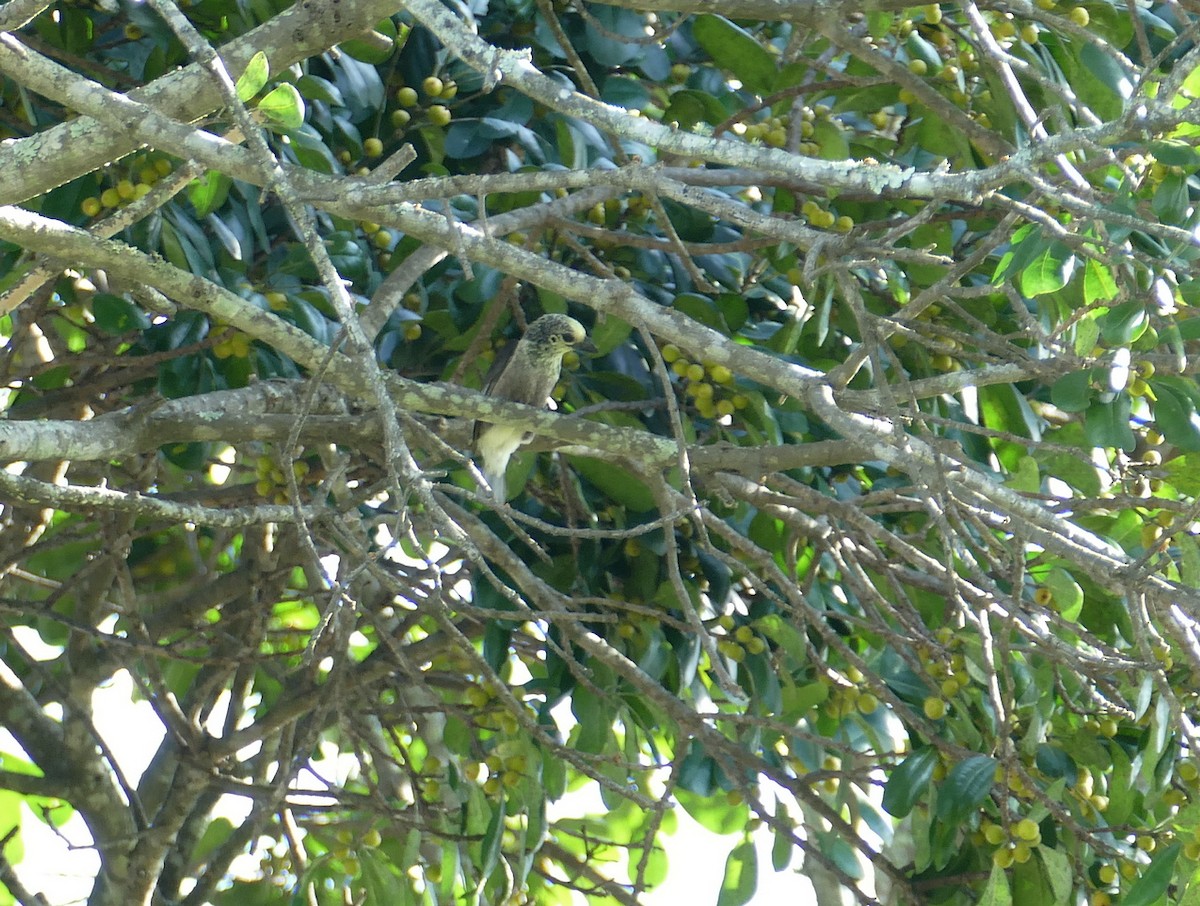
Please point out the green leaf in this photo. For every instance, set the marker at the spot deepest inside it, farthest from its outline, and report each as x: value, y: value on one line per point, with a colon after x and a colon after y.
x: 701, y: 309
x: 315, y: 88
x: 1107, y: 424
x: 741, y: 876
x: 117, y: 315
x: 1124, y: 324
x: 1073, y: 392
x: 1057, y: 865
x: 1068, y: 596
x: 380, y: 883
x: 1026, y: 244
x: 283, y: 106
x: 997, y: 892
x: 1087, y: 334
x: 379, y: 48
x: 251, y: 82
x: 616, y: 483
x: 1155, y: 879
x: 713, y: 812
x: 1175, y: 415
x: 909, y: 782
x: 1176, y: 154
x: 1030, y: 884
x: 492, y: 839
x: 965, y: 787
x: 1005, y: 409
x: 737, y: 51
x: 920, y: 49
x: 1026, y: 477
x: 1171, y: 202
x: 1099, y: 284
x: 1048, y: 272
x: 689, y: 107
x: 1100, y: 82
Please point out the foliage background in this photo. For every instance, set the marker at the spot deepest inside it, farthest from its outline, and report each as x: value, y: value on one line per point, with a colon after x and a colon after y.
x: 873, y: 530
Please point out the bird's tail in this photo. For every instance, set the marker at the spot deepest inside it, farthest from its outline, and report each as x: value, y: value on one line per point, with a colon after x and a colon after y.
x: 496, y: 483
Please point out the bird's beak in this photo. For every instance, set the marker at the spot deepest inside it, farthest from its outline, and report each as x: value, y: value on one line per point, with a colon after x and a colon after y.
x: 587, y: 347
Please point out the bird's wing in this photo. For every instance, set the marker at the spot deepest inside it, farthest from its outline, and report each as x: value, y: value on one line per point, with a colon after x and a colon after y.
x: 503, y: 356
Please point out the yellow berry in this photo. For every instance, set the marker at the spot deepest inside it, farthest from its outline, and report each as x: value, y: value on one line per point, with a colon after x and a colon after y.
x: 720, y: 374
x: 406, y: 96
x: 90, y: 206
x: 439, y: 115
x: 1027, y: 829
x: 918, y: 67
x: 400, y: 118
x: 934, y: 708
x: 125, y: 189
x: 109, y: 198
x: 372, y: 147
x: 1080, y: 16
x: 432, y: 86
x: 449, y: 91
x: 412, y: 332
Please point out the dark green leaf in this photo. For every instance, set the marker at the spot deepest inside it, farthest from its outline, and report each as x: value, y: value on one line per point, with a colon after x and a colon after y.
x: 909, y: 782
x: 1154, y: 881
x: 1073, y: 392
x: 1107, y: 424
x: 117, y: 315
x: 736, y: 50
x: 965, y: 787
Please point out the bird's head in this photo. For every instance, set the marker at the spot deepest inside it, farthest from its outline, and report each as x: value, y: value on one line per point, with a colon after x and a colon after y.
x: 557, y: 335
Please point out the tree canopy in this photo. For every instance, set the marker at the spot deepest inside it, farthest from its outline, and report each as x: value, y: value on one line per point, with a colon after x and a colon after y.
x: 872, y: 528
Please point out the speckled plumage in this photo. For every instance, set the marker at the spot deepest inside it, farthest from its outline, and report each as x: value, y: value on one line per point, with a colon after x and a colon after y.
x: 528, y: 376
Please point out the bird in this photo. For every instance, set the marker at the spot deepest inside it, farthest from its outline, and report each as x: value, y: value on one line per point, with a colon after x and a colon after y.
x: 524, y: 373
